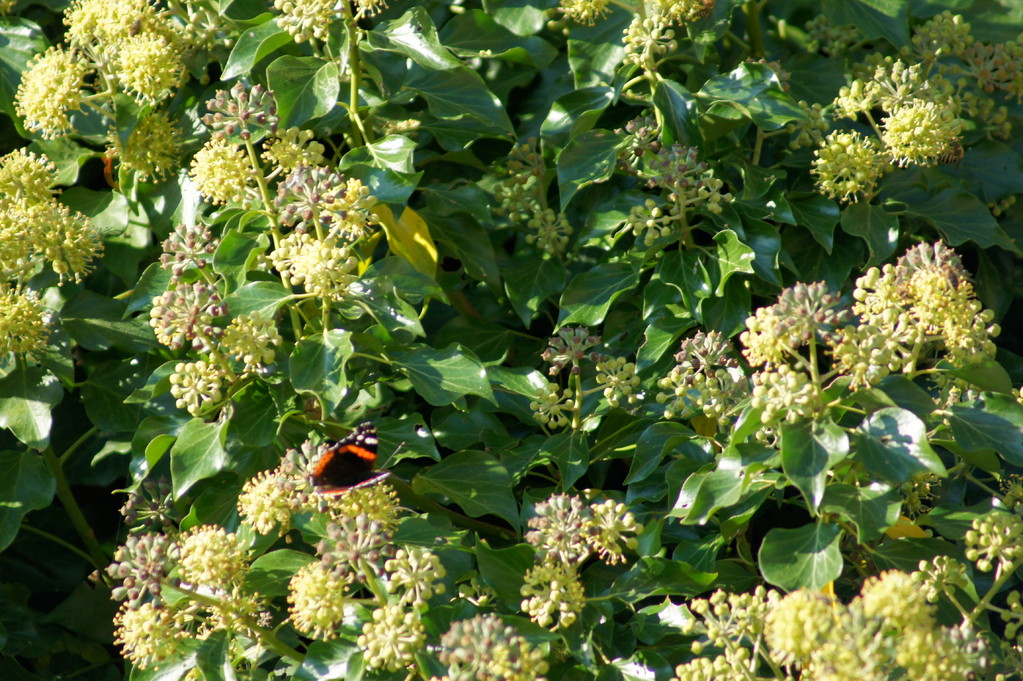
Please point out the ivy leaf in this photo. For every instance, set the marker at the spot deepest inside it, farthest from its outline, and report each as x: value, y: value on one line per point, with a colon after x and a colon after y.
x: 875, y: 225
x: 254, y: 44
x: 806, y: 557
x: 871, y: 509
x: 26, y: 484
x: 679, y: 108
x: 873, y: 18
x: 27, y: 398
x: 808, y: 451
x: 317, y: 366
x: 197, y: 454
x: 754, y: 90
x: 994, y: 422
x: 443, y: 376
x: 589, y: 158
x: 474, y: 480
x: 304, y: 87
x: 732, y: 256
x: 529, y: 283
x: 409, y: 237
x: 574, y: 113
x: 650, y: 576
x: 961, y: 217
x: 503, y: 569
x: 589, y: 295
x: 892, y: 443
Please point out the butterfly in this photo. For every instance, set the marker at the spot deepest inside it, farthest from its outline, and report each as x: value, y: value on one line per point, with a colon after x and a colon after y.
x: 350, y: 463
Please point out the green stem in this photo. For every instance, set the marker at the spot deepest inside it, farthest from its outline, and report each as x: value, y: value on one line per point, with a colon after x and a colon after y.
x: 98, y: 558
x: 577, y: 399
x: 1001, y: 577
x: 359, y: 136
x: 753, y: 29
x: 60, y: 542
x: 77, y: 443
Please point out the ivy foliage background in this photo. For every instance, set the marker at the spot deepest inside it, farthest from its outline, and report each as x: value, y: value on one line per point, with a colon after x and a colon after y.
x: 681, y: 325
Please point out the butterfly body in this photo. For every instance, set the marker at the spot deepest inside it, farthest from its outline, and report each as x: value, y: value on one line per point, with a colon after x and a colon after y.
x: 350, y: 463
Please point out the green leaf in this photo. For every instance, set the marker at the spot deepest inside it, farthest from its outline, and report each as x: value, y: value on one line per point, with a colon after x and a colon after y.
x: 571, y: 453
x: 892, y: 443
x: 996, y: 169
x: 650, y: 576
x: 755, y: 91
x: 652, y: 446
x: 678, y: 107
x: 20, y: 40
x: 477, y: 34
x: 414, y: 36
x: 394, y: 152
x: 304, y: 87
x: 27, y: 398
x: 960, y: 217
x: 875, y: 225
x: 595, y: 52
x: 261, y: 298
x: 704, y: 494
x: 589, y: 295
x: 873, y: 18
x: 96, y: 323
x: 26, y: 484
x: 106, y: 389
x: 252, y: 45
x: 443, y: 376
x: 806, y: 557
x: 574, y: 113
x: 197, y: 454
x: 474, y: 480
x: 819, y: 215
x: 732, y: 256
x: 986, y: 374
x: 871, y: 509
x: 993, y: 422
x: 379, y: 297
x: 459, y: 94
x: 317, y: 366
x: 270, y: 574
x: 529, y: 283
x: 588, y: 159
x: 503, y: 570
x: 256, y: 417
x: 808, y: 451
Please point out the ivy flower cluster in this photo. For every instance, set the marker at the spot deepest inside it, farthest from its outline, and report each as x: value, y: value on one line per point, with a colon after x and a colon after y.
x: 905, y: 317
x: 207, y: 565
x: 565, y: 533
x: 326, y: 213
x: 889, y: 631
x: 522, y: 197
x: 117, y: 49
x: 924, y: 95
x: 557, y: 407
x: 36, y: 230
x: 706, y: 380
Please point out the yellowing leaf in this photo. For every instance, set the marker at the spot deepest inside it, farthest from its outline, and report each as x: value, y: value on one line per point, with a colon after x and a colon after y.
x: 409, y: 238
x: 905, y: 528
x: 705, y: 426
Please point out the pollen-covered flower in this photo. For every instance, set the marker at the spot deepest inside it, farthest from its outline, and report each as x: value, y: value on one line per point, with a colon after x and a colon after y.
x: 222, y: 172
x: 378, y: 503
x: 251, y: 340
x: 26, y: 179
x: 267, y: 502
x: 322, y: 199
x: 786, y: 392
x: 152, y: 149
x: 150, y: 67
x: 682, y: 11
x: 415, y: 573
x: 24, y: 322
x: 393, y: 638
x: 292, y: 148
x: 584, y: 11
x: 196, y: 386
x: 486, y: 649
x: 187, y: 313
x: 803, y: 313
x: 107, y: 22
x: 919, y: 132
x: 553, y: 594
x: 323, y: 268
x: 50, y: 88
x: 148, y: 634
x: 706, y: 379
x: 211, y: 557
x: 848, y: 166
x: 68, y: 241
x: 897, y: 598
x: 797, y: 624
x: 359, y: 542
x: 316, y: 598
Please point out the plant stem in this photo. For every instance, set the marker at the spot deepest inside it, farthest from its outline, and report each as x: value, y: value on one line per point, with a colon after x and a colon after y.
x: 67, y: 499
x: 60, y: 542
x: 359, y: 136
x: 753, y: 29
